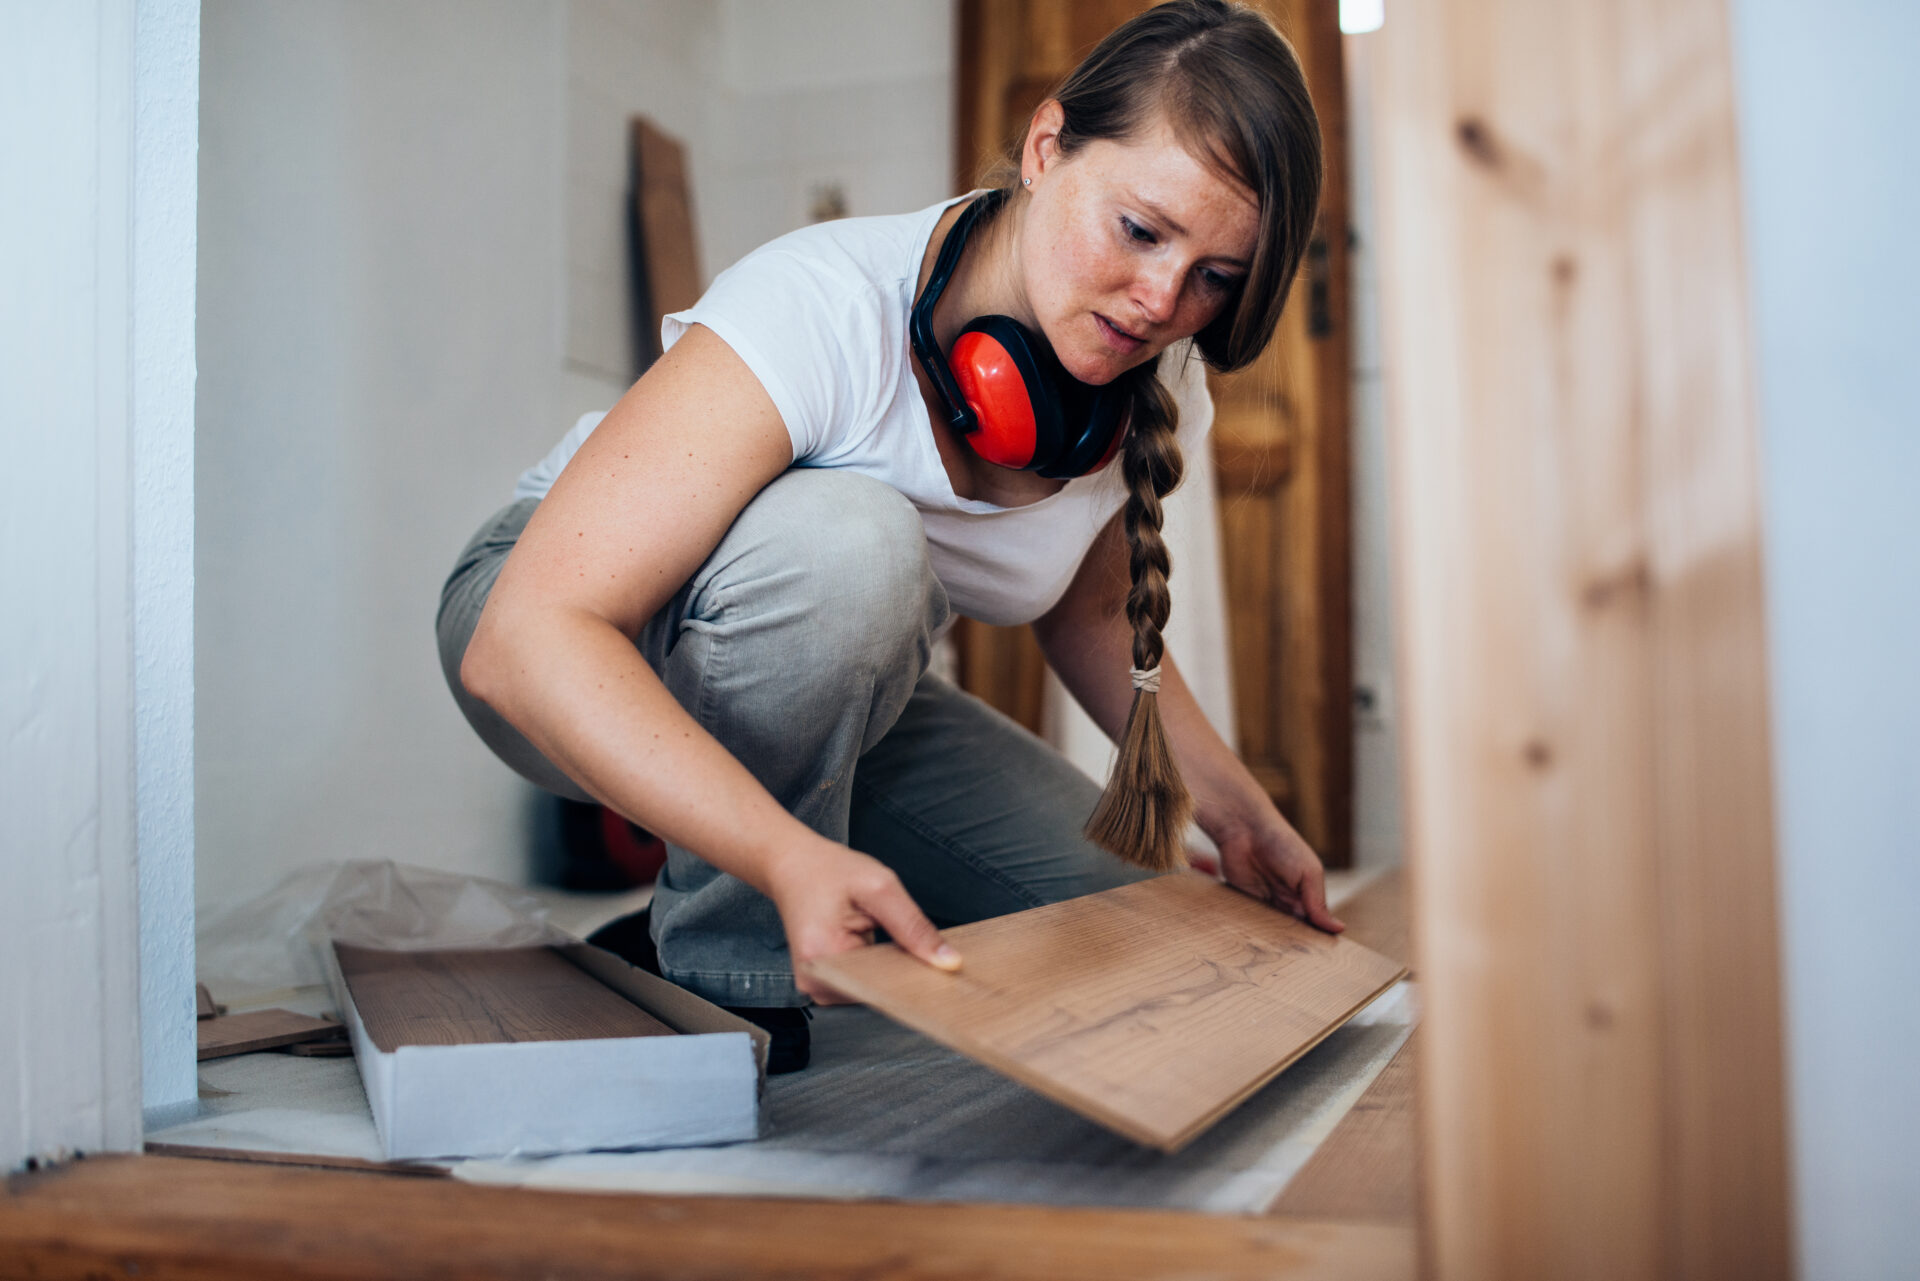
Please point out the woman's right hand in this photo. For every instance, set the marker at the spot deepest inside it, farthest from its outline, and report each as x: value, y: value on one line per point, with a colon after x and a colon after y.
x: 832, y: 899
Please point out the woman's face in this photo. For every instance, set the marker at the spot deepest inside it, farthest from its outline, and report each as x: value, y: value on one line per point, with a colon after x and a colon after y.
x: 1127, y: 246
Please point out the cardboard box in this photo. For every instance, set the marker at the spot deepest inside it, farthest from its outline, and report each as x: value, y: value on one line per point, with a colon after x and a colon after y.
x: 537, y: 1098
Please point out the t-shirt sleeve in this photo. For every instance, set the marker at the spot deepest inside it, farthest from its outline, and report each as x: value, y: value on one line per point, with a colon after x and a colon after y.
x: 812, y: 339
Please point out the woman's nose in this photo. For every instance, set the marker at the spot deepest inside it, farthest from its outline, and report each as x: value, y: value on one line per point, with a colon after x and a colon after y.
x: 1157, y: 292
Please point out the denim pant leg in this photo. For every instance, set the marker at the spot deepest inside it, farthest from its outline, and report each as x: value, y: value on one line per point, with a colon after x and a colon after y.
x: 802, y: 645
x: 797, y: 645
x: 977, y: 816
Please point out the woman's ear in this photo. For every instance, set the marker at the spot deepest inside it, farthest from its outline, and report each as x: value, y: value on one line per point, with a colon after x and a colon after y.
x: 1042, y: 148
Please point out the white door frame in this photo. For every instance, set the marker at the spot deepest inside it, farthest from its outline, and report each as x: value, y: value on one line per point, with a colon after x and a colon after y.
x: 99, y: 111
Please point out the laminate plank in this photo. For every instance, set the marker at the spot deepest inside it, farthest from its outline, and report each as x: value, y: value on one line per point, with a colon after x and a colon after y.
x: 231, y: 1034
x: 1365, y: 1168
x: 187, y: 1220
x: 1152, y: 1009
x: 484, y: 997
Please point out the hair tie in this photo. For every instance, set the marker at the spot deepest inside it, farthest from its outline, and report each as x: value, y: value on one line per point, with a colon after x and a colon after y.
x: 1148, y: 681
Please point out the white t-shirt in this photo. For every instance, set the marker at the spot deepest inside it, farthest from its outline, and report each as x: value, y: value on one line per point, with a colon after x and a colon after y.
x: 820, y: 317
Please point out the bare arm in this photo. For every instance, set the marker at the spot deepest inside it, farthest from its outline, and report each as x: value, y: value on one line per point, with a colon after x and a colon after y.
x: 634, y: 515
x: 1088, y: 643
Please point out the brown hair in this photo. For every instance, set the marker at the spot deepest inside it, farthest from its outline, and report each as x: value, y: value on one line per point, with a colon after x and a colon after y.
x: 1233, y: 91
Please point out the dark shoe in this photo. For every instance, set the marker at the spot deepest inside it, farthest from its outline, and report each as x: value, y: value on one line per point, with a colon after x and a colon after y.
x: 631, y: 939
x: 792, y: 1044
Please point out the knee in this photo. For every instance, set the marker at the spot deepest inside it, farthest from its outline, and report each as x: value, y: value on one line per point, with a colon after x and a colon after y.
x: 856, y: 552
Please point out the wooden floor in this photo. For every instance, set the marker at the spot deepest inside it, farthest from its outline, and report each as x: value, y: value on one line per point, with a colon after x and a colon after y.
x: 160, y: 1217
x: 1365, y: 1168
x: 1377, y: 916
x: 1347, y: 1215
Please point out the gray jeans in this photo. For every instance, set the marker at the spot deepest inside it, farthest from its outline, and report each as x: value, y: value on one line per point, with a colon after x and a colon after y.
x: 802, y: 645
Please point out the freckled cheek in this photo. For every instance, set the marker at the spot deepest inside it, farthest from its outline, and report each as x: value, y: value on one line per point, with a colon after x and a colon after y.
x: 1071, y: 285
x: 1193, y: 318
x: 1198, y: 312
x: 1096, y: 280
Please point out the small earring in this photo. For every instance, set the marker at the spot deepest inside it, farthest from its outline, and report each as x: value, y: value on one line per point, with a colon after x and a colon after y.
x: 1026, y: 182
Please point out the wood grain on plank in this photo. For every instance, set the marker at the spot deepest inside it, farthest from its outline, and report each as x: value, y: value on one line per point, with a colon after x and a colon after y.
x: 231, y: 1034
x: 1152, y: 1009
x: 166, y: 1217
x: 1365, y: 1168
x: 484, y: 997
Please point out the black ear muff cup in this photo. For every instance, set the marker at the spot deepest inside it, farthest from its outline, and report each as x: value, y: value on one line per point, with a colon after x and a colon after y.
x: 1102, y: 411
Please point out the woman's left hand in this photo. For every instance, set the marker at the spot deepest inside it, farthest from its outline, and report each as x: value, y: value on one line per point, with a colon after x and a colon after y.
x: 1272, y: 862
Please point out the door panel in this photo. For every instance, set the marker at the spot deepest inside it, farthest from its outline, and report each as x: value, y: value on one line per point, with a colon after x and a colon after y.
x: 1280, y: 433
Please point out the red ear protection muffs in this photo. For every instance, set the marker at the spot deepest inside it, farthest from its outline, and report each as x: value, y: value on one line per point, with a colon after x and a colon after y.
x: 1004, y: 389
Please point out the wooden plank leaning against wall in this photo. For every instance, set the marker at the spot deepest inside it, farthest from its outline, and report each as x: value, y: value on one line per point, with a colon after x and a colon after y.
x: 1582, y: 645
x: 1280, y: 434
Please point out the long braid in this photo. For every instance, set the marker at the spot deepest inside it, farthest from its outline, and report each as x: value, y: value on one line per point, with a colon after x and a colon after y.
x: 1142, y: 816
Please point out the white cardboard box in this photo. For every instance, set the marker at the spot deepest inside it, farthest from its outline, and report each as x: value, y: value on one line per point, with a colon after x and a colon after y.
x: 540, y: 1097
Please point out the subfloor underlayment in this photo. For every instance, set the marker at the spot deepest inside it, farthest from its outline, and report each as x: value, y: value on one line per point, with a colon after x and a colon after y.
x: 882, y: 1112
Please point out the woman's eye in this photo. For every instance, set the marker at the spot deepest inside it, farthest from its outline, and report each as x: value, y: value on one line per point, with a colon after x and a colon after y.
x: 1136, y: 232
x: 1217, y: 282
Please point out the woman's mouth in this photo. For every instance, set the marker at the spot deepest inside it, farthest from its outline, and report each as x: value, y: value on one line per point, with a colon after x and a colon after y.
x: 1119, y: 339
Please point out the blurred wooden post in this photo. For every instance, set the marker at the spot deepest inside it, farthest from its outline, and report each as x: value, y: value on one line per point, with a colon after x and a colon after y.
x: 1582, y: 643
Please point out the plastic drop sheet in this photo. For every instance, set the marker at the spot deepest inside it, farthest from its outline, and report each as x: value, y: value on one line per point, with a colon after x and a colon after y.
x: 275, y: 942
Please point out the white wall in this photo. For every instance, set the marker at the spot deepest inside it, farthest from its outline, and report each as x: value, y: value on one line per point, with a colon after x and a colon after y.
x: 380, y: 215
x: 855, y: 93
x: 97, y: 130
x: 775, y: 100
x: 1378, y: 834
x: 1828, y: 104
x: 391, y: 196
x: 166, y: 137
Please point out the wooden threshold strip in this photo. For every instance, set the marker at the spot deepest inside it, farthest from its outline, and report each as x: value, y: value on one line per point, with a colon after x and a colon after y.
x: 187, y: 1219
x: 301, y: 1160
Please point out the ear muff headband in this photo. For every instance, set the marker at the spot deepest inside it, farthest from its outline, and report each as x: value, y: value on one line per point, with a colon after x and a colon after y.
x: 1005, y: 391
x: 920, y: 324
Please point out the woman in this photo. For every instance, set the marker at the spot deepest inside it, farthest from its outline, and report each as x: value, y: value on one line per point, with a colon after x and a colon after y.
x: 712, y: 610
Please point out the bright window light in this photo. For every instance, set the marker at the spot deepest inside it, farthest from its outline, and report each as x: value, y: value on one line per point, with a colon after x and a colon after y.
x: 1357, y: 16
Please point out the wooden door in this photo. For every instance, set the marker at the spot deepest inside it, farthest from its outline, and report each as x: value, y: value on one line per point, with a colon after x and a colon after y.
x: 1280, y: 433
